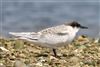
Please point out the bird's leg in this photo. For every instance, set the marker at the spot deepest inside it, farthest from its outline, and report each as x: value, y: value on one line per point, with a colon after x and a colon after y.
x: 54, y: 51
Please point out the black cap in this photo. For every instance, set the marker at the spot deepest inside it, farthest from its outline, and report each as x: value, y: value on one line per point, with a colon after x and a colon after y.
x: 76, y: 24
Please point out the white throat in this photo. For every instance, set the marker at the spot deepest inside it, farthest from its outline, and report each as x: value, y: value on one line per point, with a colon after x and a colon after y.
x: 75, y: 29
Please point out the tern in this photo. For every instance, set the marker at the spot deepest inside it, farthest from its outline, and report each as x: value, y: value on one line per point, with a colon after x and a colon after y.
x: 52, y: 37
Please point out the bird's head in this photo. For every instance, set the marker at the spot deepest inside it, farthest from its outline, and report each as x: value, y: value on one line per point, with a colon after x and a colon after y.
x: 76, y: 26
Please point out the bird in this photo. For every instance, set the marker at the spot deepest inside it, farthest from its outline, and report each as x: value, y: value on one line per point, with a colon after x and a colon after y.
x: 52, y: 37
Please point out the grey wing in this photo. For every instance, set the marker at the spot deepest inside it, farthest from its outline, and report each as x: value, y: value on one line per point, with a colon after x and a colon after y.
x: 54, y: 30
x: 62, y: 33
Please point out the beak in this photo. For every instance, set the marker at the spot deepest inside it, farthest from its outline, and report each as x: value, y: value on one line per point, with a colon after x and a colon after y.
x: 83, y: 27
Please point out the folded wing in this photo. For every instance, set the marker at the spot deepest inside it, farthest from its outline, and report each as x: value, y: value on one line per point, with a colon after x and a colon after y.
x: 25, y: 35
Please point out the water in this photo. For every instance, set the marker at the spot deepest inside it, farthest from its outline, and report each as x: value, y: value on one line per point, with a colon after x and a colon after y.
x: 28, y: 16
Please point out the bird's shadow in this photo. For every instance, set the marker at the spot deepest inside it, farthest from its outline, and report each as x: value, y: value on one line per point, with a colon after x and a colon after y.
x: 46, y: 55
x: 41, y: 55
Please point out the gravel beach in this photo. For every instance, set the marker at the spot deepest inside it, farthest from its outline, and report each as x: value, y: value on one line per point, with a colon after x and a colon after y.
x: 82, y: 52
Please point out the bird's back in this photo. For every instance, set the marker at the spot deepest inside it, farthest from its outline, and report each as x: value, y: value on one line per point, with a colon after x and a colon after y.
x: 55, y: 29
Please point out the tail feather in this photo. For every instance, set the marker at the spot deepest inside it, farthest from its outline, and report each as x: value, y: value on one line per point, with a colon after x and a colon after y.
x: 22, y: 33
x: 25, y: 35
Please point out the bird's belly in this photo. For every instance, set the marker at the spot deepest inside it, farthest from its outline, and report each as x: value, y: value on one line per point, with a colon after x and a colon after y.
x: 55, y: 40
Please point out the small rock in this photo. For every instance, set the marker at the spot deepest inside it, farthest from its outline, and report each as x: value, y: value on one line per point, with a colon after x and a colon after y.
x: 74, y: 60
x: 12, y: 57
x: 82, y: 38
x: 3, y: 49
x: 18, y: 44
x: 52, y: 57
x: 1, y: 65
x: 39, y: 64
x: 22, y: 55
x: 19, y: 63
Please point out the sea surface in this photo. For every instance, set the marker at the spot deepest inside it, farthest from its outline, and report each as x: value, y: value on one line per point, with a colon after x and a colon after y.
x: 35, y: 15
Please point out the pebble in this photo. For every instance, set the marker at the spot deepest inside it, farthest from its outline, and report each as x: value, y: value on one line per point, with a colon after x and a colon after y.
x: 19, y: 63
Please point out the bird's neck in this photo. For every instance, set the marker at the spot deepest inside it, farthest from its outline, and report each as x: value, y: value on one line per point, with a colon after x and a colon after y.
x: 72, y: 30
x: 75, y: 29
